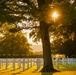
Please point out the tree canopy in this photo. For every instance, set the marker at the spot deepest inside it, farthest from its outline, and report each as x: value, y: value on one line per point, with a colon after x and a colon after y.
x: 22, y: 11
x: 68, y: 48
x: 15, y: 45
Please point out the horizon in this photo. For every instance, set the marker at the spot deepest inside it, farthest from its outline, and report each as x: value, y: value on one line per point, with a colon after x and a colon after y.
x: 36, y: 48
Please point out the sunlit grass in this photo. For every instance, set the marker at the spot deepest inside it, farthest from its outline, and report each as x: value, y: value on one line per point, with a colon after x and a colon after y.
x: 64, y: 70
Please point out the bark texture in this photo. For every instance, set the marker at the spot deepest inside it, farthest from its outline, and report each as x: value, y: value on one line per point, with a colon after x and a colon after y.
x: 48, y: 65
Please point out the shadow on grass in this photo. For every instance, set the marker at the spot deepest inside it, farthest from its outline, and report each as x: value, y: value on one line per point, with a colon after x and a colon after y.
x: 14, y: 69
x: 47, y: 73
x: 67, y: 68
x: 2, y: 70
x: 17, y: 73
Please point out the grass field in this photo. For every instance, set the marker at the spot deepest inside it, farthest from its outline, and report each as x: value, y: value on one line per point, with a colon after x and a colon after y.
x: 69, y: 70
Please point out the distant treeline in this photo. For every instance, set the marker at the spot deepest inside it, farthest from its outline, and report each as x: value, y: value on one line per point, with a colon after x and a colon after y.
x: 21, y: 56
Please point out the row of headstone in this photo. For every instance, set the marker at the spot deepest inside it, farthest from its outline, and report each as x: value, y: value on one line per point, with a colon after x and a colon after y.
x: 64, y: 61
x: 71, y: 61
x: 26, y: 63
x: 21, y: 62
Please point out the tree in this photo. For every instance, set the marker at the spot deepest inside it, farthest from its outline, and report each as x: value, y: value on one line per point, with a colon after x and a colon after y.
x: 68, y: 48
x: 23, y: 10
x: 66, y: 30
x: 14, y: 45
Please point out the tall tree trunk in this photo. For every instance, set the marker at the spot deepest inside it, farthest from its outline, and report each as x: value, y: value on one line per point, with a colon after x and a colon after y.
x: 48, y: 65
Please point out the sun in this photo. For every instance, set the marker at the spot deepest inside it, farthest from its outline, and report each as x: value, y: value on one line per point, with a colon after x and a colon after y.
x: 55, y: 15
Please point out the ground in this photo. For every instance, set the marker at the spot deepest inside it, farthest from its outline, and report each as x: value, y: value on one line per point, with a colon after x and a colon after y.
x: 69, y: 70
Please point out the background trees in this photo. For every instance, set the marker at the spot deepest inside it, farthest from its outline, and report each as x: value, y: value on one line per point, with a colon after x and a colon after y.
x: 68, y: 48
x: 15, y: 45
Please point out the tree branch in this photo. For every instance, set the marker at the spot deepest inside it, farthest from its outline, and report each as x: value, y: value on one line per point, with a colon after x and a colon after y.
x: 21, y: 28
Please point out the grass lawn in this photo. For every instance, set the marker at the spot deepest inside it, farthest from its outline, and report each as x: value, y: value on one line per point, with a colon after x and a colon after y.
x: 69, y: 70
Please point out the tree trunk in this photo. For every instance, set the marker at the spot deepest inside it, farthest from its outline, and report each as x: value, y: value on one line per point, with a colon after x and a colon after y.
x: 48, y: 65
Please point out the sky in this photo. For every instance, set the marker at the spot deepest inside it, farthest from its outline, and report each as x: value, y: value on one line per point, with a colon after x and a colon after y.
x: 37, y: 47
x: 30, y: 39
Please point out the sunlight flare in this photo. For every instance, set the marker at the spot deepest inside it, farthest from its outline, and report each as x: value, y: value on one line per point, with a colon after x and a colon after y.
x: 55, y: 15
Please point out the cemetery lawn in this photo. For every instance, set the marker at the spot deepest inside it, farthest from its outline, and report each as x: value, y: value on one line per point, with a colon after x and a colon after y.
x: 68, y: 70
